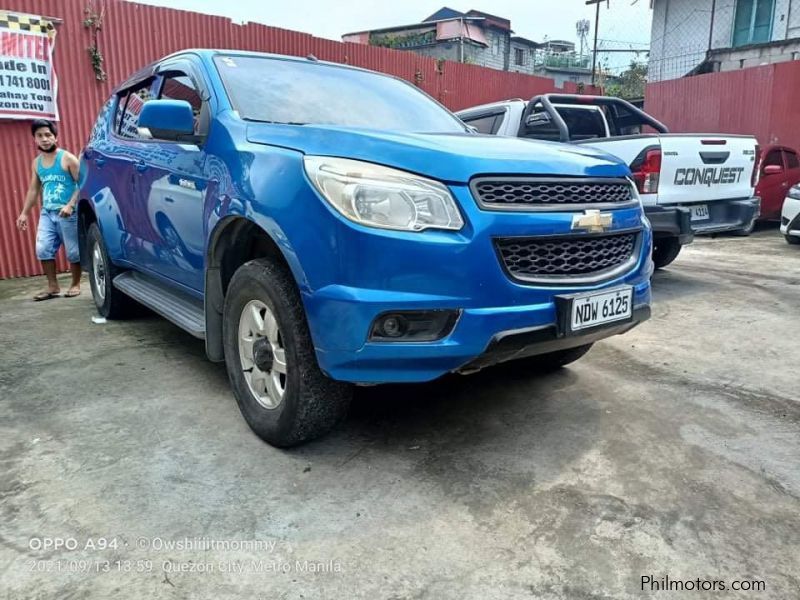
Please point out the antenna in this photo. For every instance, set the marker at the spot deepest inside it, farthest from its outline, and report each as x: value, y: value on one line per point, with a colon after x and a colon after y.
x: 582, y: 29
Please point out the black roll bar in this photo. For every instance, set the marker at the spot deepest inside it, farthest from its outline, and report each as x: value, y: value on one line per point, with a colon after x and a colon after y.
x: 547, y: 100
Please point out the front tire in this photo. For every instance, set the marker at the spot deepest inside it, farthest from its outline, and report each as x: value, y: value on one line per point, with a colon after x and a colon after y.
x: 282, y: 393
x: 110, y: 302
x: 793, y: 240
x: 665, y: 251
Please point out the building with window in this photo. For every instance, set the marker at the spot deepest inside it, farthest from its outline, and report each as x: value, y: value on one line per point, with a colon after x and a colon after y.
x: 482, y: 39
x: 701, y: 36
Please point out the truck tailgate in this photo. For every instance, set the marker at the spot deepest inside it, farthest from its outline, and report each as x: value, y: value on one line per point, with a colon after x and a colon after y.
x: 705, y: 168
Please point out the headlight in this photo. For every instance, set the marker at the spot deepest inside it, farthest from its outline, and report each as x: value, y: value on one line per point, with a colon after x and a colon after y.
x: 378, y: 196
x: 794, y: 192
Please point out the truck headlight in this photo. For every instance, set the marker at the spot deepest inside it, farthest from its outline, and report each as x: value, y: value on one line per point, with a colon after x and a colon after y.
x: 378, y: 196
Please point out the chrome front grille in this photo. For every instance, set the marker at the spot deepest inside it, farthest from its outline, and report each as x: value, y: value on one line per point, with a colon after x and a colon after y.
x: 568, y: 259
x: 538, y: 193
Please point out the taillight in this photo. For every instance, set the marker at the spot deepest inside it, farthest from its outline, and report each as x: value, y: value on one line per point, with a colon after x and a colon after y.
x: 647, y: 170
x: 756, y: 167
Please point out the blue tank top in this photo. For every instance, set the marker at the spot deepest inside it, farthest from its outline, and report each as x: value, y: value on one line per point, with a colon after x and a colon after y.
x: 57, y: 183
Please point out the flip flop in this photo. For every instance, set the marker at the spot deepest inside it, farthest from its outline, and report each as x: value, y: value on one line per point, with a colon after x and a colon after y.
x: 72, y: 294
x: 46, y: 296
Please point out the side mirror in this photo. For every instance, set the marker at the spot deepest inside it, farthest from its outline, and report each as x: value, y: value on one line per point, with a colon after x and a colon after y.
x: 773, y: 170
x: 167, y: 119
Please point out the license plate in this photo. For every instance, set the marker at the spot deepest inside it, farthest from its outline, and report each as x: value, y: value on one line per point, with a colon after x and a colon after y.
x: 591, y: 310
x: 700, y: 212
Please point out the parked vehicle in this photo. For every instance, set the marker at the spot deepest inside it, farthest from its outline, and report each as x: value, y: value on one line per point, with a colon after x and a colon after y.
x: 688, y: 183
x: 321, y: 226
x: 790, y: 216
x: 779, y: 170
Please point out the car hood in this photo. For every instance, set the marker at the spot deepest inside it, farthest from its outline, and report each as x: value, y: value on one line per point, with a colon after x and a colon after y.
x: 443, y: 156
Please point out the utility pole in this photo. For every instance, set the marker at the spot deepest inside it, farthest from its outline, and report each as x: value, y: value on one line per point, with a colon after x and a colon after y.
x: 596, y: 27
x: 711, y: 31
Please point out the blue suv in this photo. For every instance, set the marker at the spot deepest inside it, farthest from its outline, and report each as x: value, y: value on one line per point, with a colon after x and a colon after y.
x: 321, y: 226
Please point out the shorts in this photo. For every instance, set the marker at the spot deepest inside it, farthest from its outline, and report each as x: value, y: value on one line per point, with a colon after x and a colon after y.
x: 54, y: 231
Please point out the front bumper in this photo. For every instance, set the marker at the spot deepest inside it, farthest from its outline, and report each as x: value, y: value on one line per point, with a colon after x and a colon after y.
x: 473, y: 343
x: 672, y: 222
x: 790, y: 217
x: 728, y: 215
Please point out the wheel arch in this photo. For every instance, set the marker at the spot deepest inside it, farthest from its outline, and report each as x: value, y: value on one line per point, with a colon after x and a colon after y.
x: 234, y: 241
x: 86, y: 216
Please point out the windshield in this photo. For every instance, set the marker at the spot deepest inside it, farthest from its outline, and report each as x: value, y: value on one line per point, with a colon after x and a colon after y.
x: 310, y: 93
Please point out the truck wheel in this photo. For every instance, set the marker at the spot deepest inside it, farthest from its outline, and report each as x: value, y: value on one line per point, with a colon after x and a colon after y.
x: 552, y: 361
x: 793, y: 240
x: 110, y: 302
x: 665, y: 251
x: 271, y: 362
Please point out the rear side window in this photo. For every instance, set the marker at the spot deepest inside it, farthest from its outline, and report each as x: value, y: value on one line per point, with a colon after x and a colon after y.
x: 792, y: 161
x: 487, y: 123
x: 583, y: 124
x: 126, y: 121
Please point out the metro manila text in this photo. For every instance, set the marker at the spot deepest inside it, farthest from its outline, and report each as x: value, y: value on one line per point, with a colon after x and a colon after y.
x: 24, y: 85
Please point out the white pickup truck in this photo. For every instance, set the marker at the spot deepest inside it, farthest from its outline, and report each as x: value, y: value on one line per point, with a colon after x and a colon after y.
x: 688, y: 183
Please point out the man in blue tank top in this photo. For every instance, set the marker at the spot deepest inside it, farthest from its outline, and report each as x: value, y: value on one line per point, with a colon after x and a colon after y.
x: 54, y: 175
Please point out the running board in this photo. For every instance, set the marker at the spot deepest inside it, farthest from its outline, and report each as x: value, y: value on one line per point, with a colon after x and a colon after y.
x: 183, y: 310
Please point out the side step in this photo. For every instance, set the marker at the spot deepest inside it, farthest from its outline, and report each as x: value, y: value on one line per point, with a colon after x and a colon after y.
x: 186, y: 312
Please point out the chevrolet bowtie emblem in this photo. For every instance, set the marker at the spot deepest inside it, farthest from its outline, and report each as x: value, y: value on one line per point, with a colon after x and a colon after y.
x: 592, y: 221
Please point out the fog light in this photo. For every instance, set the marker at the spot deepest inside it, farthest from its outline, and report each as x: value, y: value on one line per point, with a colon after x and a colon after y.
x: 393, y: 326
x: 413, y: 326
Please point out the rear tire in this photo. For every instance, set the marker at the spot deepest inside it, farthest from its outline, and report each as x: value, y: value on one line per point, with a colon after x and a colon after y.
x: 110, y: 302
x: 793, y: 240
x: 283, y: 394
x: 745, y: 231
x: 665, y: 251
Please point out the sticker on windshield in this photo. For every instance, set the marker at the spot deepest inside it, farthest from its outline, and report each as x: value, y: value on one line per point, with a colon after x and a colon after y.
x: 229, y: 62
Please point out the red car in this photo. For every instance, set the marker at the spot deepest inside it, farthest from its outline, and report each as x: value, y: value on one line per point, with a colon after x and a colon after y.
x: 779, y: 171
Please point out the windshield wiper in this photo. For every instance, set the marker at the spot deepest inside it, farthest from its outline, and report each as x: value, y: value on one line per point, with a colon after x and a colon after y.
x: 272, y: 122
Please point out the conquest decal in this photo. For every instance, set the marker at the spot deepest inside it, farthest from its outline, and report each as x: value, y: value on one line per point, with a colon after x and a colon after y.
x: 708, y: 176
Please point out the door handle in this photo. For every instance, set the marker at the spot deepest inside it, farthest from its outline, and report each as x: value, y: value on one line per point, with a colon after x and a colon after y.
x: 99, y: 161
x: 141, y: 166
x: 168, y: 199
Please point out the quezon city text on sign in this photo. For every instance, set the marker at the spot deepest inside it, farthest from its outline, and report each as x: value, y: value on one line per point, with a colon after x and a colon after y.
x: 28, y: 83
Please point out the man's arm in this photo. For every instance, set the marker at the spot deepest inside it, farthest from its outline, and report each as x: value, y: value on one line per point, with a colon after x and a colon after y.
x: 73, y: 165
x: 34, y: 187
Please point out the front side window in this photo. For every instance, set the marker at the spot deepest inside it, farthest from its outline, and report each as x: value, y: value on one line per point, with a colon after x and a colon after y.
x: 309, y: 93
x: 774, y: 159
x: 753, y: 21
x: 178, y: 86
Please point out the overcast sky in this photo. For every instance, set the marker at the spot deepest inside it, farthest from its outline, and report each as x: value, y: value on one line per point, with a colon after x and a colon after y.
x: 624, y: 21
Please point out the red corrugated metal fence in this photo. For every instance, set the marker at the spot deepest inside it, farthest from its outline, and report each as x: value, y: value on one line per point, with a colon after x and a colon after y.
x: 134, y: 35
x: 760, y: 101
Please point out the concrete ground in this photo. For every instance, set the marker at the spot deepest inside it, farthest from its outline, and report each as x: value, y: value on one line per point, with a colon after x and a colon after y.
x: 673, y: 451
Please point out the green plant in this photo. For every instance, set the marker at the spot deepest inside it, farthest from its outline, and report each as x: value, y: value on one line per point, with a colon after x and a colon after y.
x: 630, y: 83
x: 94, y: 23
x: 404, y: 41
